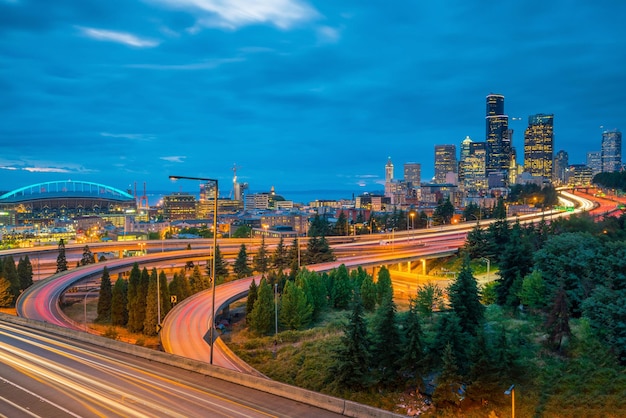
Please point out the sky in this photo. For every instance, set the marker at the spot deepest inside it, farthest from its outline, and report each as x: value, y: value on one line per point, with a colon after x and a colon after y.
x: 310, y: 97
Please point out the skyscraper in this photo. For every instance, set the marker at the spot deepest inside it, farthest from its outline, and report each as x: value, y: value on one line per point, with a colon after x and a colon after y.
x: 388, y: 177
x: 498, y: 151
x: 538, y: 145
x: 561, y: 162
x: 594, y: 161
x: 445, y: 162
x: 412, y: 174
x: 611, y: 151
x: 474, y: 178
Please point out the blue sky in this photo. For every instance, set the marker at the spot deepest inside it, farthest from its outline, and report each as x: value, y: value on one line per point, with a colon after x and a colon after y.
x: 311, y: 95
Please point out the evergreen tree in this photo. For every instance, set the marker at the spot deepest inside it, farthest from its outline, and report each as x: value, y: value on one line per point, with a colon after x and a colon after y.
x: 221, y: 266
x: 196, y: 281
x: 105, y: 298
x: 384, y: 288
x: 295, y: 311
x: 6, y: 294
x: 448, y: 390
x: 443, y: 212
x: 318, y: 251
x: 260, y: 261
x: 151, y: 319
x: 135, y: 320
x: 61, y: 260
x: 262, y: 316
x: 386, y: 343
x: 369, y: 293
x: 341, y: 227
x: 314, y: 289
x: 25, y: 272
x: 533, y: 292
x: 292, y: 253
x: 413, y: 358
x: 342, y: 288
x: 252, y: 297
x: 557, y: 322
x: 515, y: 262
x: 484, y: 376
x: 280, y: 257
x: 449, y: 332
x: 9, y: 272
x: 352, y: 359
x: 319, y: 226
x: 88, y: 257
x: 476, y: 243
x: 465, y: 299
x: 119, y: 302
x: 166, y: 304
x: 241, y: 267
x: 428, y: 296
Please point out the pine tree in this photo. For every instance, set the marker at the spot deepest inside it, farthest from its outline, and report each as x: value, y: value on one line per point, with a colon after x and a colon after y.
x: 6, y: 294
x: 341, y: 227
x: 557, y: 322
x: 515, y: 262
x: 151, y: 320
x: 166, y: 304
x: 260, y: 261
x: 119, y: 302
x: 9, y: 272
x: 262, y: 316
x: 314, y: 289
x: 252, y: 297
x: 135, y: 320
x: 295, y: 311
x: 351, y: 368
x: 61, y: 260
x: 221, y: 266
x: 342, y: 288
x: 484, y: 376
x: 25, y: 272
x: 369, y: 293
x: 195, y: 281
x: 292, y: 253
x: 105, y: 298
x: 448, y: 388
x: 88, y: 257
x: 241, y: 267
x: 476, y: 243
x: 386, y: 343
x: 428, y: 296
x: 413, y: 357
x: 384, y: 287
x: 449, y: 332
x: 464, y: 298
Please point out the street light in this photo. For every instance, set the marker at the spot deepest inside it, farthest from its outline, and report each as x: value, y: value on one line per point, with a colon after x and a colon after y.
x: 511, y: 391
x: 486, y: 260
x: 85, y: 305
x: 212, y: 328
x: 412, y: 214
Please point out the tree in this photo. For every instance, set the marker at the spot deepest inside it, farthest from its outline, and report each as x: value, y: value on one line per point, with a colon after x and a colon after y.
x: 314, y: 289
x: 260, y: 261
x: 119, y: 302
x: 61, y: 260
x: 88, y: 257
x: 221, y: 266
x: 384, y: 288
x: 318, y: 251
x: 25, y: 272
x: 341, y: 288
x: 351, y: 367
x: 386, y: 343
x: 241, y: 267
x: 280, y: 257
x: 533, y: 293
x: 6, y: 294
x: 135, y: 321
x: 166, y: 303
x: 9, y: 272
x: 151, y: 320
x: 449, y: 389
x: 484, y: 376
x: 319, y: 226
x: 242, y: 231
x: 295, y: 311
x: 557, y: 322
x: 197, y: 281
x: 252, y: 297
x: 443, y: 212
x: 369, y: 293
x: 105, y: 297
x: 515, y: 262
x: 465, y: 299
x: 341, y: 226
x: 476, y: 243
x: 262, y: 316
x: 413, y: 359
x: 449, y: 332
x: 428, y: 296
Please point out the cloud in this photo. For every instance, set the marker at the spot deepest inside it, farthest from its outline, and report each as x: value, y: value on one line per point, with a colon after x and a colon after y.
x: 328, y: 35
x: 45, y: 170
x: 204, y: 65
x: 174, y: 158
x: 119, y: 37
x: 134, y: 137
x: 233, y: 14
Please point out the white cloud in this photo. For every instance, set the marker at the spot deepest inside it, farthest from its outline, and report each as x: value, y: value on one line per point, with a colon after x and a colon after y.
x: 204, y: 65
x: 326, y: 34
x: 174, y: 158
x: 134, y: 137
x: 119, y: 37
x: 234, y: 14
x: 46, y: 170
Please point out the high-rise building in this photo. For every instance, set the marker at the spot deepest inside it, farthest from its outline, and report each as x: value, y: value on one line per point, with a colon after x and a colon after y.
x: 388, y: 177
x: 497, y: 138
x: 611, y: 151
x: 561, y: 162
x: 594, y: 161
x: 538, y: 145
x: 445, y: 162
x: 474, y: 177
x: 464, y: 155
x: 412, y: 175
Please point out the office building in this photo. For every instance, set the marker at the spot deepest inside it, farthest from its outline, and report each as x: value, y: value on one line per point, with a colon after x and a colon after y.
x: 498, y: 149
x: 538, y: 146
x: 178, y: 206
x: 445, y: 162
x: 561, y: 162
x: 412, y: 175
x: 594, y: 161
x: 388, y: 177
x: 464, y: 155
x: 474, y: 175
x: 611, y: 151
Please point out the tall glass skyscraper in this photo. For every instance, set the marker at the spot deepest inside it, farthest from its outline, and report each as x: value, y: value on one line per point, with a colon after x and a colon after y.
x: 539, y: 145
x: 498, y: 156
x: 611, y: 151
x: 445, y: 162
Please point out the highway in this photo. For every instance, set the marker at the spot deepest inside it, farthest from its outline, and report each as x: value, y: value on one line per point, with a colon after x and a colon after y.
x: 44, y: 375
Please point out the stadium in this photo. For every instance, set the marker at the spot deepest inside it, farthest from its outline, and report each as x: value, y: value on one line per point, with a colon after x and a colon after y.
x: 64, y: 199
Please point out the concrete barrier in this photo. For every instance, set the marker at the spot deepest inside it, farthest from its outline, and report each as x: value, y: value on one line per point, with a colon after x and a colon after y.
x: 329, y: 403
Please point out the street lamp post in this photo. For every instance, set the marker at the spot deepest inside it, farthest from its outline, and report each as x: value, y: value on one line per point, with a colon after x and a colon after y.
x: 85, y: 305
x: 412, y: 225
x: 511, y: 391
x: 212, y: 328
x: 486, y: 260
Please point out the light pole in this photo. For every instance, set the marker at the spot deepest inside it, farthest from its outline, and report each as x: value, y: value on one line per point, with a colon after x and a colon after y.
x: 511, y: 391
x: 85, y: 305
x: 212, y: 328
x: 412, y: 225
x: 486, y: 260
x: 276, y: 312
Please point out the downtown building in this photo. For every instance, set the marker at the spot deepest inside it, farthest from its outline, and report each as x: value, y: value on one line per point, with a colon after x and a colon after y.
x: 472, y: 172
x: 446, y: 165
x: 561, y: 163
x: 611, y: 151
x: 539, y: 146
x: 498, y: 142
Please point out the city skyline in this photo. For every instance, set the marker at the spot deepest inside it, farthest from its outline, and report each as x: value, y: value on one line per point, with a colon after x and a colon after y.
x: 299, y: 95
